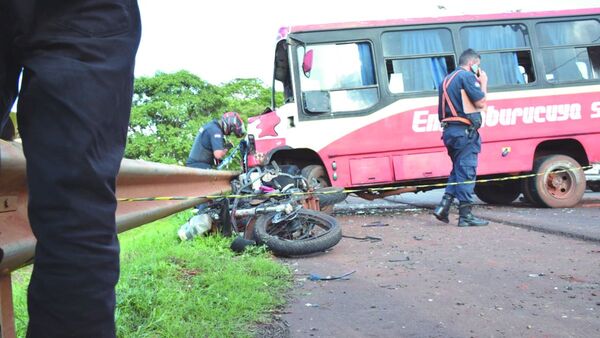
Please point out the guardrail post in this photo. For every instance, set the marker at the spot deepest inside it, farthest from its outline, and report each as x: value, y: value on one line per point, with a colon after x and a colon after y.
x: 6, y: 309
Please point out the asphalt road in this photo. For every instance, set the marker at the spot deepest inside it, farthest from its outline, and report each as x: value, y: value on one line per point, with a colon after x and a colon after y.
x: 428, y: 279
x: 581, y: 222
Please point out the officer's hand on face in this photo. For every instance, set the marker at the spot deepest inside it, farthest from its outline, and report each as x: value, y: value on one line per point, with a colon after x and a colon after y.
x: 483, y: 78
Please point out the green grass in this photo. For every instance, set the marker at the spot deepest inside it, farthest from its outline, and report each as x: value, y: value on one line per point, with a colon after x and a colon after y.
x: 198, y: 288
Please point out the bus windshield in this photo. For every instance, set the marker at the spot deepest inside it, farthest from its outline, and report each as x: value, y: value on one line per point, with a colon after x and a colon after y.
x: 342, y: 78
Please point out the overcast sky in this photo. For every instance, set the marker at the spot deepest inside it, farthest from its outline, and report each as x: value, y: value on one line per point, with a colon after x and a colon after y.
x: 231, y: 39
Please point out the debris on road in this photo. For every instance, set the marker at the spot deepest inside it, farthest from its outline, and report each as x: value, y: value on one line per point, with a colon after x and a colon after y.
x: 572, y: 279
x: 366, y: 238
x: 376, y: 224
x: 315, y: 277
x: 506, y: 281
x: 537, y: 275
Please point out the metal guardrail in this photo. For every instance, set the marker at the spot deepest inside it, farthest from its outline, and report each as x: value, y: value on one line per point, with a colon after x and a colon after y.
x: 136, y: 179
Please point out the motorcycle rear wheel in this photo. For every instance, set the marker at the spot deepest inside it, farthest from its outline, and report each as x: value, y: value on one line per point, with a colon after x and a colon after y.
x: 308, y: 233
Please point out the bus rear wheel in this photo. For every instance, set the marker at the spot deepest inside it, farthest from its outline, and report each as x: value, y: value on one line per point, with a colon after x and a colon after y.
x: 502, y: 193
x: 560, y: 181
x: 529, y: 197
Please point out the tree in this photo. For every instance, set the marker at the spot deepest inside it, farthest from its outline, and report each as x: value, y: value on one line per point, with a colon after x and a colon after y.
x: 249, y: 97
x: 167, y: 111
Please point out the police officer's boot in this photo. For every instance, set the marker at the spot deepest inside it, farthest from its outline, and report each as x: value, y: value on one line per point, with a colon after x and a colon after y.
x: 442, y: 210
x: 466, y: 218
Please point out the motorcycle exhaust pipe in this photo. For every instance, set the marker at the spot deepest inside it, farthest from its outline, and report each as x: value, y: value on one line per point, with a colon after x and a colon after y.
x: 286, y: 208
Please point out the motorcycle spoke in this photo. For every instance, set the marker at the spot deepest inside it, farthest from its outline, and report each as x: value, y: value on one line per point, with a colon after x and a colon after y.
x: 293, y: 231
x: 278, y: 230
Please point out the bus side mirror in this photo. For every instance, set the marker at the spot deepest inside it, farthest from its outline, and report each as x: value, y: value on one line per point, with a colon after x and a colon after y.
x: 307, y: 63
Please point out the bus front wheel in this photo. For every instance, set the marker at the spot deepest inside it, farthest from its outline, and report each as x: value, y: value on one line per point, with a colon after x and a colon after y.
x: 316, y: 175
x: 559, y: 181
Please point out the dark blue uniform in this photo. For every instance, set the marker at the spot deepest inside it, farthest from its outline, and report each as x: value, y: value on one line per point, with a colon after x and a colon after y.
x: 76, y: 59
x: 209, y: 139
x: 463, y: 145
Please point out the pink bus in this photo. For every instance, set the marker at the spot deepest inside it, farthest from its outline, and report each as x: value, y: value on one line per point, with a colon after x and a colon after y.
x: 360, y: 103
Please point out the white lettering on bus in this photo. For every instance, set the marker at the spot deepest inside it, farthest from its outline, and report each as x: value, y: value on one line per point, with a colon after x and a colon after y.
x: 529, y: 115
x: 596, y: 110
x: 423, y: 121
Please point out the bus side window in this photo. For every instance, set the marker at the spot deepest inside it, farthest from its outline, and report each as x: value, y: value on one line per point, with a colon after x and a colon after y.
x: 417, y: 60
x: 570, y: 50
x: 526, y: 66
x: 432, y: 71
x: 524, y: 73
x: 594, y: 54
x: 589, y: 64
x: 505, y: 52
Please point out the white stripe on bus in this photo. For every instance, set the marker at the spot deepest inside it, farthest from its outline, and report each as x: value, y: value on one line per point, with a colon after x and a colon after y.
x: 319, y: 133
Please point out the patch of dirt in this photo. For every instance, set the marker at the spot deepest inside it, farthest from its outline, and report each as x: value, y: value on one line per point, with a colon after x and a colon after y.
x: 276, y: 328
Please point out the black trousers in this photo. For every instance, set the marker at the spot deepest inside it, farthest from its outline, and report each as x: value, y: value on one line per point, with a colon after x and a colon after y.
x: 76, y: 61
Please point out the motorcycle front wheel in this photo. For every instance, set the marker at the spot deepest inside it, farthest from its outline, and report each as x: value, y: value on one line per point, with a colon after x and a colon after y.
x: 308, y: 233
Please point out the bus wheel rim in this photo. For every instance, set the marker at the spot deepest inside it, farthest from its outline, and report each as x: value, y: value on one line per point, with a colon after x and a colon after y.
x: 559, y: 184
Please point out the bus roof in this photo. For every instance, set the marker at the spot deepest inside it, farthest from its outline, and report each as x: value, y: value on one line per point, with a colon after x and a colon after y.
x: 440, y: 20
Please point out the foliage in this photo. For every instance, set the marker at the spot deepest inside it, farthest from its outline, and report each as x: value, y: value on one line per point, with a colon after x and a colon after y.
x: 247, y: 96
x: 168, y: 110
x: 198, y: 288
x: 192, y: 289
x: 166, y: 113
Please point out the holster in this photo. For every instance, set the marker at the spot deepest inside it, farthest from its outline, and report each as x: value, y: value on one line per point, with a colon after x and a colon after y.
x: 476, y: 120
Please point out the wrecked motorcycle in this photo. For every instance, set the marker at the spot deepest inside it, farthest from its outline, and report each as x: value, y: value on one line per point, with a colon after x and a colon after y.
x: 274, y: 206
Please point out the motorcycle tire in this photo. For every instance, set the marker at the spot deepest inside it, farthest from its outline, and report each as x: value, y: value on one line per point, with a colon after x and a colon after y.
x: 286, y: 245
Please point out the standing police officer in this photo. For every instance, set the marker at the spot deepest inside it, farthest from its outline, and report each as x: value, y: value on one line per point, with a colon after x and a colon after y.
x: 209, y: 145
x: 467, y: 83
x: 75, y: 60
